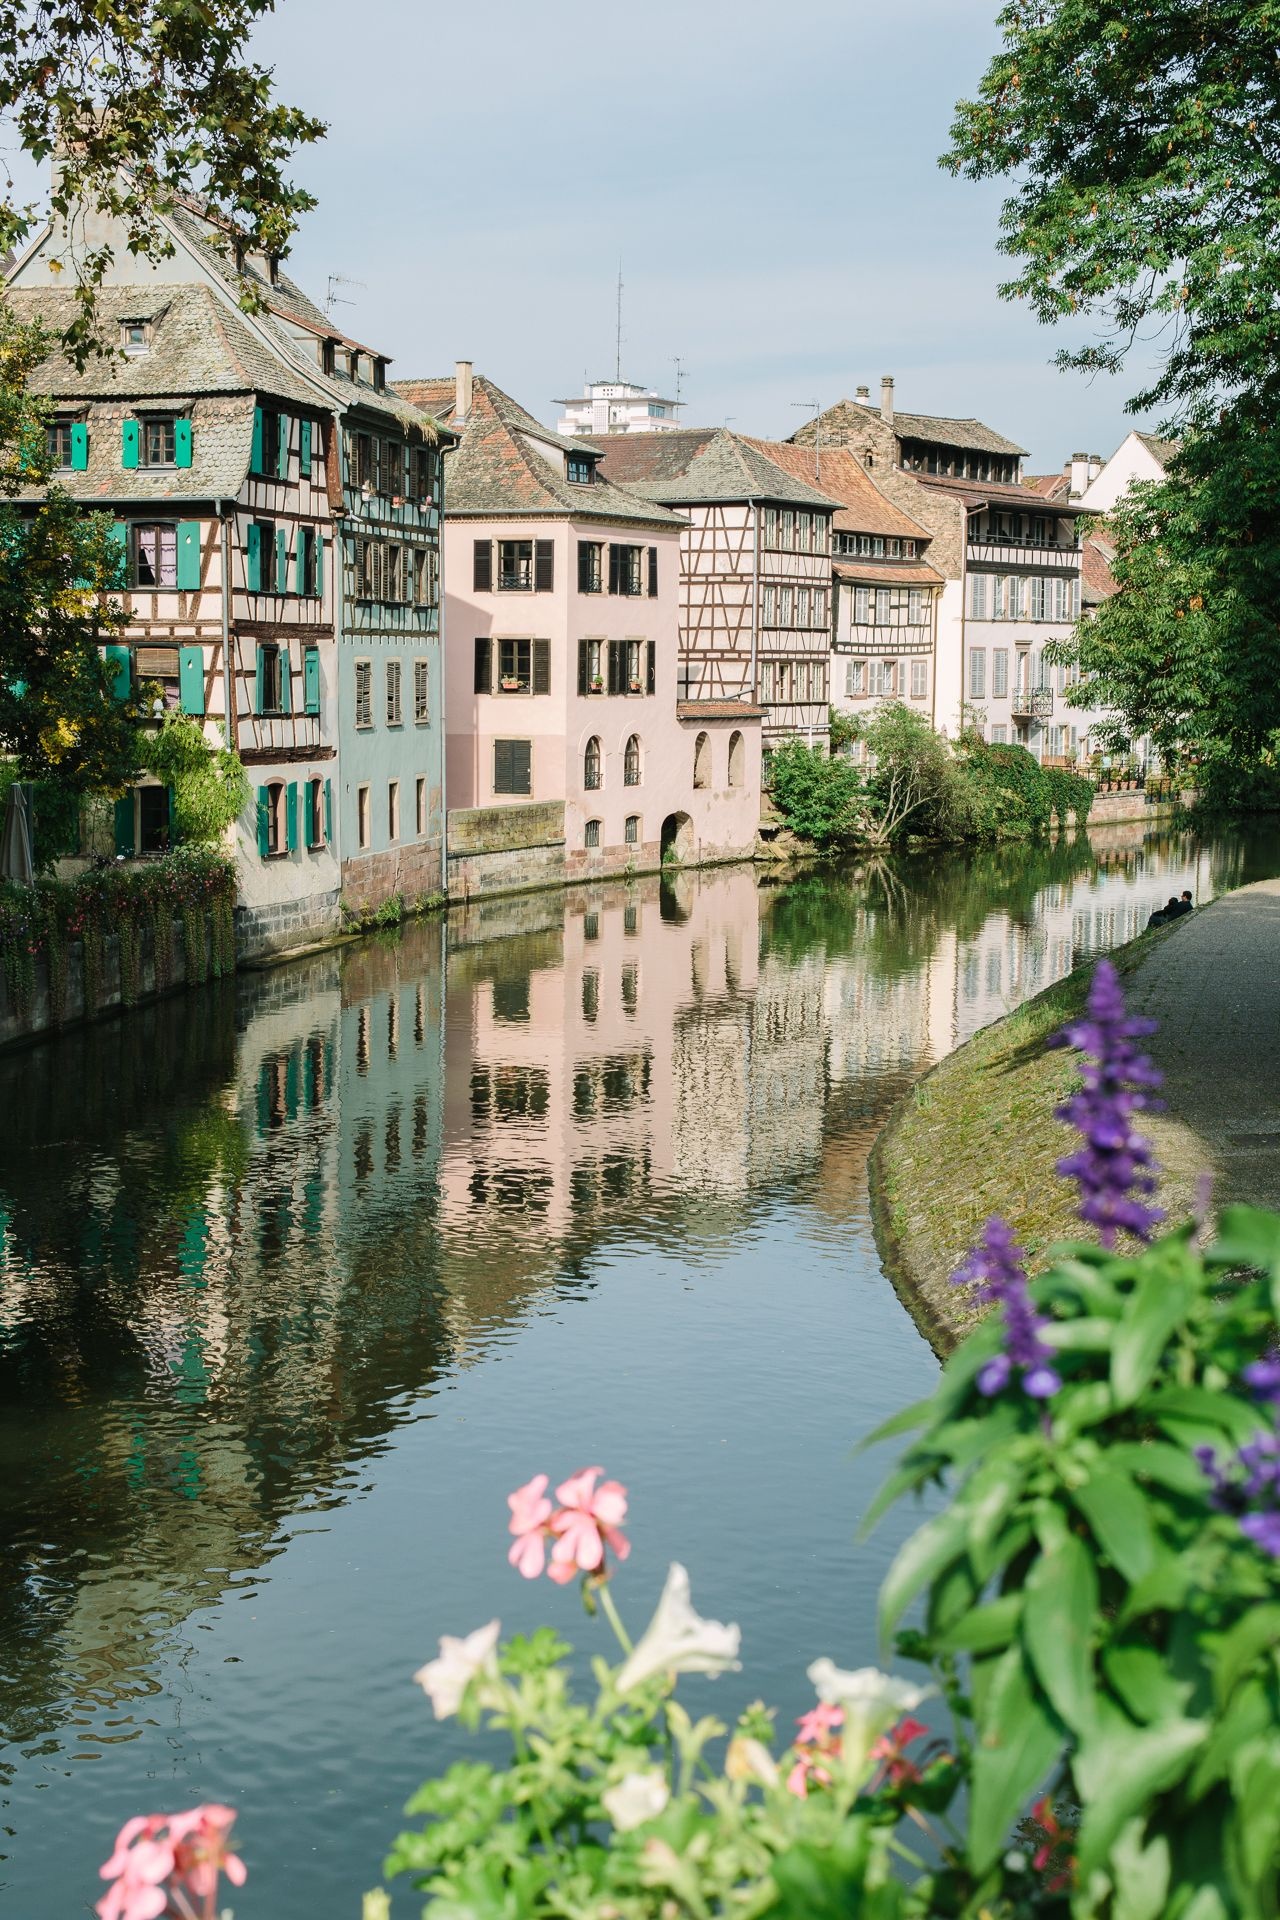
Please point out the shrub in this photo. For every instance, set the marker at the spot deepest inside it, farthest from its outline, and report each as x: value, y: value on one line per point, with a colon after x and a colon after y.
x: 917, y: 785
x: 209, y: 785
x: 820, y: 798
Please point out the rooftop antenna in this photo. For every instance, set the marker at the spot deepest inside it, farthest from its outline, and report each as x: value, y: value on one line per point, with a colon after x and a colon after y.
x: 617, y: 359
x: 816, y: 407
x: 677, y: 362
x: 332, y: 299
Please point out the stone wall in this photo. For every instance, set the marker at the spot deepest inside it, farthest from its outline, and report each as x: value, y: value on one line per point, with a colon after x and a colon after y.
x: 19, y: 1026
x: 506, y: 849
x: 267, y: 932
x: 1109, y: 809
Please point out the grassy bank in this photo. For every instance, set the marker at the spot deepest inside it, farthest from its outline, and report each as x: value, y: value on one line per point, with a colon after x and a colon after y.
x: 977, y: 1136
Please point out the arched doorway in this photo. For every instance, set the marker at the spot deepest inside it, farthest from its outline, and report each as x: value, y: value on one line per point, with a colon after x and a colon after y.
x: 677, y: 839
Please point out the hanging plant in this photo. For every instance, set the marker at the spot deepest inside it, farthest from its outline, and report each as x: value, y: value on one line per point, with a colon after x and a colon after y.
x: 193, y: 943
x: 208, y: 784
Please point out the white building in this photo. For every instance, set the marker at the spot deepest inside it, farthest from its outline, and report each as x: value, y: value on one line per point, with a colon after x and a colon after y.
x: 1141, y: 456
x: 617, y: 406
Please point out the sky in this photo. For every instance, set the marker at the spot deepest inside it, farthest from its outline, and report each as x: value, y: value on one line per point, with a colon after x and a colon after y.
x: 766, y: 173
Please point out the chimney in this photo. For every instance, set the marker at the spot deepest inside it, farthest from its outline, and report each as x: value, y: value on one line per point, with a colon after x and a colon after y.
x: 461, y: 389
x: 1080, y: 474
x: 864, y: 395
x: 886, y: 398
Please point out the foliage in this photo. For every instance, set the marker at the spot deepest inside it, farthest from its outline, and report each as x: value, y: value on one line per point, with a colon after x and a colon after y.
x: 916, y: 779
x: 820, y: 798
x: 55, y: 824
x: 1146, y: 179
x: 842, y: 729
x: 1013, y: 796
x: 380, y: 919
x: 210, y: 787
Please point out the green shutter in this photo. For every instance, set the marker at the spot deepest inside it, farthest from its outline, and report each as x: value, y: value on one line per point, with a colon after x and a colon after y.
x: 317, y: 586
x: 191, y: 679
x: 261, y: 682
x: 286, y: 680
x: 264, y: 815
x: 304, y: 447
x: 119, y: 664
x: 253, y: 557
x: 129, y: 444
x: 282, y: 560
x: 311, y: 680
x: 300, y: 562
x: 291, y: 816
x: 282, y: 450
x: 189, y: 556
x: 124, y: 823
x: 118, y: 551
x: 328, y: 813
x: 255, y: 458
x: 182, y: 443
x: 79, y: 446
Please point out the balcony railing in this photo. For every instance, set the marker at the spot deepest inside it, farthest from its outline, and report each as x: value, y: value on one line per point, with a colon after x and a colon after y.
x: 993, y: 552
x: 1032, y: 703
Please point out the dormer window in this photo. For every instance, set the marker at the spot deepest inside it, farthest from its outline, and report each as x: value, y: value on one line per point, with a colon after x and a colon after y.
x: 328, y: 356
x: 379, y: 375
x: 135, y: 335
x: 159, y: 434
x: 580, y: 470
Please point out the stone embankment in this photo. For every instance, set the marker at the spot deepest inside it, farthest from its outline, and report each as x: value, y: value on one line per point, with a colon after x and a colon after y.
x: 977, y: 1135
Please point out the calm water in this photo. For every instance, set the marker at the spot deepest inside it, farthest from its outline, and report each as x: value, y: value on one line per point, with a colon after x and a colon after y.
x: 300, y: 1276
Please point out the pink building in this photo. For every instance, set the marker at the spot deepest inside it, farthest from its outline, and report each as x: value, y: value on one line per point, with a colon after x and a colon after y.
x: 567, y: 751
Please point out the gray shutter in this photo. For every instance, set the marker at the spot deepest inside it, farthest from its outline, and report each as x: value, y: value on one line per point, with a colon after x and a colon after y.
x: 653, y: 573
x: 582, y: 666
x: 542, y: 666
x: 482, y: 567
x: 651, y: 682
x: 484, y: 666
x: 521, y: 769
x: 544, y: 564
x: 502, y: 766
x: 617, y: 681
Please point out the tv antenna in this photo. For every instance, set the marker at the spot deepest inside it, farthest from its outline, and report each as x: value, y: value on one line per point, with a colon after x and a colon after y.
x: 617, y: 358
x: 677, y: 361
x: 332, y: 299
x: 815, y: 407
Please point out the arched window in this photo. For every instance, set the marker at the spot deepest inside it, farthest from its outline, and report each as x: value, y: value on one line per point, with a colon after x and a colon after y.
x: 591, y: 767
x: 702, y: 760
x: 591, y: 838
x: 737, y: 759
x: 631, y: 762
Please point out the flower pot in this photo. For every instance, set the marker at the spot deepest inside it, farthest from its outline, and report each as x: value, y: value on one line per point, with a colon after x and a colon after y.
x: 510, y: 686
x: 635, y: 686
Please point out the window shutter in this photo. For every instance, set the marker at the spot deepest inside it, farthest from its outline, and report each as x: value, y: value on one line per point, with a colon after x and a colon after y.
x: 584, y: 566
x: 282, y: 448
x: 502, y: 766
x: 282, y: 560
x: 182, y: 443
x: 617, y: 682
x: 651, y: 668
x: 264, y: 813
x: 317, y: 584
x: 521, y: 768
x: 191, y: 679
x: 544, y: 565
x: 311, y: 680
x: 286, y: 681
x: 482, y: 567
x: 484, y: 666
x: 253, y: 557
x: 260, y: 686
x: 119, y: 667
x: 653, y: 573
x: 255, y: 458
x: 188, y: 540
x: 328, y: 813
x: 129, y: 444
x: 300, y: 562
x: 118, y: 551
x: 542, y: 666
x: 79, y: 445
x: 304, y: 448
x: 615, y: 568
x: 582, y: 666
x: 291, y: 817
x: 124, y: 823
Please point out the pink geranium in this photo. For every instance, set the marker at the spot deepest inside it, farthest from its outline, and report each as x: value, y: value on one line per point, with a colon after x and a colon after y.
x: 530, y: 1515
x: 895, y: 1767
x: 160, y: 1857
x: 817, y: 1743
x: 586, y: 1524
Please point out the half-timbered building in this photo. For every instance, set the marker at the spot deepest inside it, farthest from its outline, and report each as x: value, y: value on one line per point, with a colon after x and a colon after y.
x: 755, y: 587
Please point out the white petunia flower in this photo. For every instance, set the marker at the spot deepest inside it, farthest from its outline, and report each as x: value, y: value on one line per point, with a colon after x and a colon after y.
x: 871, y: 1702
x: 445, y: 1679
x: 677, y: 1640
x: 636, y: 1798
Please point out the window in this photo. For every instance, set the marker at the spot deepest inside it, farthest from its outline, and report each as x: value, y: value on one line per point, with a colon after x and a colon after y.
x: 771, y: 526
x: 770, y: 605
x: 855, y: 677
x: 420, y: 795
x: 135, y: 335
x: 803, y: 534
x: 393, y: 576
x: 786, y: 596
x: 877, y: 546
x: 1013, y: 596
x: 625, y: 569
x: 875, y: 677
x: 889, y: 678
x: 978, y: 673
x: 58, y: 443
x: 363, y: 816
x: 590, y: 574
x: 802, y: 606
x: 155, y: 556
x: 512, y: 766
x: 919, y: 678
x: 315, y: 813
x: 1036, y: 598
x: 737, y: 760
x: 882, y: 606
x: 515, y: 666
x: 591, y: 835
x: 368, y: 558
x: 592, y: 771
x: 819, y: 606
x: 702, y: 760
x: 393, y: 810
x: 515, y: 566
x: 276, y: 835
x: 631, y: 762
x: 579, y: 469
x: 788, y: 532
x: 999, y: 672
x: 999, y: 736
x: 861, y: 606
x: 766, y: 680
x: 421, y: 692
x: 394, y: 715
x: 392, y: 468
x: 915, y: 607
x: 909, y: 549
x: 426, y: 576
x: 156, y: 441
x: 364, y: 693
x: 997, y: 596
x: 893, y: 548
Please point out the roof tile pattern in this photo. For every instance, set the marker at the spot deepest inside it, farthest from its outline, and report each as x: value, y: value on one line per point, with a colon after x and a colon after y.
x: 692, y: 465
x: 840, y: 474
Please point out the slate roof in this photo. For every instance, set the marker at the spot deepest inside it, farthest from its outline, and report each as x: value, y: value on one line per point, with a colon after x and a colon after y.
x: 496, y: 471
x: 981, y: 493
x: 971, y: 435
x: 690, y: 465
x: 1163, y: 450
x: 863, y: 509
x: 874, y: 573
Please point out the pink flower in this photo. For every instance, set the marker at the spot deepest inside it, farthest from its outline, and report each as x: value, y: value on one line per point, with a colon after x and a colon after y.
x: 818, y: 1723
x: 530, y: 1514
x: 200, y: 1850
x: 189, y: 1849
x: 816, y: 1742
x: 895, y: 1767
x: 586, y: 1524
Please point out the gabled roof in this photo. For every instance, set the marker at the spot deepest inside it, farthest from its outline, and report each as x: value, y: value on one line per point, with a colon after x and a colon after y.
x: 1162, y: 450
x: 496, y: 468
x: 984, y: 493
x: 693, y: 464
x: 1050, y: 486
x: 841, y: 475
x: 970, y: 435
x: 1097, y: 582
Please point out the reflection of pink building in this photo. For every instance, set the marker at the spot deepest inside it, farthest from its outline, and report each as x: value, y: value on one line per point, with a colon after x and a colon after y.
x: 561, y: 648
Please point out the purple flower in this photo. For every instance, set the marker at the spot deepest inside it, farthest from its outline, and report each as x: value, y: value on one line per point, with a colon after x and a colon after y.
x: 1262, y: 1377
x: 1113, y: 1168
x: 1248, y: 1485
x: 995, y: 1267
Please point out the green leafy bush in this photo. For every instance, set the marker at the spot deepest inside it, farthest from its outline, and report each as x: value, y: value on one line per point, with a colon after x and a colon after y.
x: 820, y: 798
x: 209, y: 785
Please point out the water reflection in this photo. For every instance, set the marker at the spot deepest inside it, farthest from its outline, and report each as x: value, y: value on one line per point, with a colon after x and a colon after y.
x: 248, y: 1239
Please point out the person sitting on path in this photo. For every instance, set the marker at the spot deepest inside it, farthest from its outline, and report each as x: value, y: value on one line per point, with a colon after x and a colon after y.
x: 1158, y: 919
x: 1186, y: 904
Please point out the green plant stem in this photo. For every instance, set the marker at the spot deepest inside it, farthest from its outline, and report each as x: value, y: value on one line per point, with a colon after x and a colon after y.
x: 611, y: 1614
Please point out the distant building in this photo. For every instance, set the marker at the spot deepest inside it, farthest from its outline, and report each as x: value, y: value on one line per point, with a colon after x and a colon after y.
x: 569, y: 750
x: 1140, y: 456
x: 617, y: 406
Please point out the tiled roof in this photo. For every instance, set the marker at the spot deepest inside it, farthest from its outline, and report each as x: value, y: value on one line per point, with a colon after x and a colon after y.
x: 980, y: 493
x: 863, y: 509
x: 874, y: 573
x: 718, y: 710
x: 693, y: 464
x: 1097, y: 582
x: 495, y: 470
x: 221, y: 446
x: 1050, y: 486
x: 1163, y: 450
x: 971, y: 435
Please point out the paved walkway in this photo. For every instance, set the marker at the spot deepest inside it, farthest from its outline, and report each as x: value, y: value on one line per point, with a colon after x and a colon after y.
x: 1213, y: 983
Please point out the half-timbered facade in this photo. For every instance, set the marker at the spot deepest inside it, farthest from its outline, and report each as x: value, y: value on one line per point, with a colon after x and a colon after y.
x: 755, y: 590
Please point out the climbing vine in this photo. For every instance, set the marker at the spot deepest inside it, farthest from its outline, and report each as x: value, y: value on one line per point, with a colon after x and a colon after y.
x: 208, y: 785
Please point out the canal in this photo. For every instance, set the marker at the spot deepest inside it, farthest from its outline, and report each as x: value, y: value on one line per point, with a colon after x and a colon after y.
x: 299, y: 1276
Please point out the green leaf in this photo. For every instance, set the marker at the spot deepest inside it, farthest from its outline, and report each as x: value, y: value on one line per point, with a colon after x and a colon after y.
x: 1250, y: 1237
x: 1140, y: 1874
x: 1116, y: 1509
x: 903, y: 1422
x: 1255, y: 1786
x: 1058, y: 1625
x: 1238, y: 1648
x: 1119, y: 1769
x: 986, y: 1629
x: 920, y: 1559
x: 1168, y: 1466
x: 1198, y: 1415
x: 1018, y: 1743
x: 1159, y: 1305
x: 903, y: 1480
x: 1086, y: 1335
x: 1139, y: 1675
